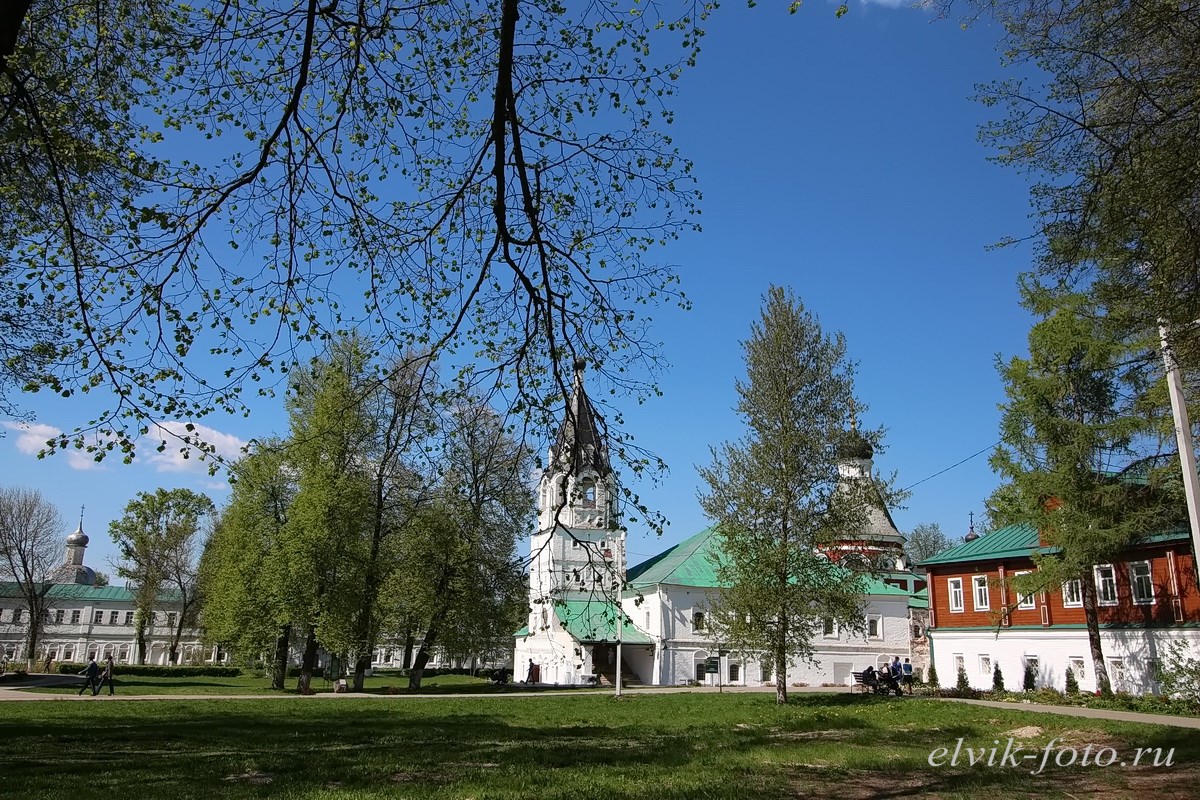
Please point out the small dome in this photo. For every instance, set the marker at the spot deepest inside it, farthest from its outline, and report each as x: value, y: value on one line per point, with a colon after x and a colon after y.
x: 76, y: 574
x: 78, y: 538
x: 853, y: 445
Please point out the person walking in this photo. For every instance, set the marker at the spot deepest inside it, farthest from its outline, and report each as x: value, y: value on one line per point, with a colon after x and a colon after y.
x: 92, y: 674
x: 908, y: 675
x: 106, y: 677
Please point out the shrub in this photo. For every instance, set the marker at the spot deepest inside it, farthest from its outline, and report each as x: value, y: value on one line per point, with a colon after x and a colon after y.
x: 1178, y: 673
x: 158, y: 671
x: 963, y: 684
x: 997, y: 678
x: 1072, y: 683
x: 1030, y: 678
x: 932, y: 675
x: 294, y: 672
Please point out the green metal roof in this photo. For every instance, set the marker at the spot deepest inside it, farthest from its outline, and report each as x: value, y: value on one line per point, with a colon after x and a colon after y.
x: 919, y: 599
x: 1008, y: 542
x: 1021, y: 539
x: 523, y: 632
x: 689, y: 563
x: 73, y: 591
x: 596, y: 621
x: 693, y: 562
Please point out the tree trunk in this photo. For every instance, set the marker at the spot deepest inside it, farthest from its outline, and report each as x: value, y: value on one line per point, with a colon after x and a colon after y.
x: 780, y: 676
x: 32, y: 636
x: 409, y: 642
x: 141, y: 640
x: 418, y: 667
x: 279, y: 660
x: 11, y: 20
x: 360, y: 670
x: 309, y: 662
x: 1092, y: 616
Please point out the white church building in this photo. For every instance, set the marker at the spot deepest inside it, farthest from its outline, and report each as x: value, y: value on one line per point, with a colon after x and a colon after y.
x: 579, y: 586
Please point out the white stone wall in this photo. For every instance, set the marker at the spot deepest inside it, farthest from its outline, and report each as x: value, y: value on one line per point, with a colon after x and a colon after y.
x: 836, y: 657
x: 1135, y: 650
x: 68, y: 641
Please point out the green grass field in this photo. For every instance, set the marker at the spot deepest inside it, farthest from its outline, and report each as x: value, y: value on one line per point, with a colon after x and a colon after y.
x: 249, y: 685
x: 589, y: 746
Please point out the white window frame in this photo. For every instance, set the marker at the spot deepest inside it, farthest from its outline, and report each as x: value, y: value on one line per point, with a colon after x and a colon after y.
x: 960, y: 663
x: 985, y: 665
x: 1116, y: 674
x: 878, y: 620
x: 1100, y: 582
x: 1025, y: 602
x: 97, y: 617
x: 1077, y: 664
x: 1133, y: 583
x: 954, y: 589
x: 1077, y: 585
x: 697, y: 617
x: 832, y: 633
x: 980, y: 582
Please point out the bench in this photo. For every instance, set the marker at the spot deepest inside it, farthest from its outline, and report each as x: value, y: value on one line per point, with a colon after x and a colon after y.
x: 858, y: 681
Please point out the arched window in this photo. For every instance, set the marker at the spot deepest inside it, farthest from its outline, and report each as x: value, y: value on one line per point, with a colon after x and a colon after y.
x: 587, y: 491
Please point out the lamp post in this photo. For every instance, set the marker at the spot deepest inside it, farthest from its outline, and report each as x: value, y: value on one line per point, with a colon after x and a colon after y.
x: 1183, y: 435
x: 620, y: 625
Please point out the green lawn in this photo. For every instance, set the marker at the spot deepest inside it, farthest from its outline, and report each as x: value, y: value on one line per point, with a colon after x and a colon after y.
x: 248, y: 685
x: 589, y: 746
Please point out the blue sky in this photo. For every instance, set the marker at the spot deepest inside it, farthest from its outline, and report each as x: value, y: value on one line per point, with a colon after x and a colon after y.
x: 837, y: 157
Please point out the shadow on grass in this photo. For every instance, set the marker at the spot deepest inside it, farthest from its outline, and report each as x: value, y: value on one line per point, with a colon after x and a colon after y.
x: 679, y: 746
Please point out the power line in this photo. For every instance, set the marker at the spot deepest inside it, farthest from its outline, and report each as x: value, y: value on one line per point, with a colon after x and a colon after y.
x: 952, y: 466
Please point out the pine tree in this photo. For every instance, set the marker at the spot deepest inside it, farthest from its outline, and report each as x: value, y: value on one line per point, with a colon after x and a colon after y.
x: 931, y: 677
x: 776, y: 496
x: 1072, y: 683
x: 1030, y: 682
x: 964, y: 683
x: 1078, y: 445
x: 997, y: 678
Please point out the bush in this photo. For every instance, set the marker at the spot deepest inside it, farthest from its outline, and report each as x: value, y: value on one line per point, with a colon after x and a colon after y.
x: 963, y: 684
x: 157, y: 671
x: 932, y: 676
x: 294, y: 672
x: 1178, y: 673
x: 1072, y: 683
x: 997, y: 678
x: 1030, y: 683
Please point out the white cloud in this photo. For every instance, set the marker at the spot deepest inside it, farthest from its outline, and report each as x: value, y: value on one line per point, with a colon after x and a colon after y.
x: 177, y: 456
x: 32, y: 436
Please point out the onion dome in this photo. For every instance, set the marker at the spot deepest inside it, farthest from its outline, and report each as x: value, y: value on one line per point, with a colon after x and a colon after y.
x: 78, y: 538
x: 853, y: 445
x: 971, y: 534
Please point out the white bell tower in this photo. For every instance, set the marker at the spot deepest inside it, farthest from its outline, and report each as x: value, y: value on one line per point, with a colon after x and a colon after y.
x: 579, y: 550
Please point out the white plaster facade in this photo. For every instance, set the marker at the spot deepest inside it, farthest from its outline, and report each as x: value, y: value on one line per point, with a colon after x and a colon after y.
x: 1130, y: 656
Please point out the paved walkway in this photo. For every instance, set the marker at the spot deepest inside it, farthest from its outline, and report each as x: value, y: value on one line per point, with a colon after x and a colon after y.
x: 7, y: 693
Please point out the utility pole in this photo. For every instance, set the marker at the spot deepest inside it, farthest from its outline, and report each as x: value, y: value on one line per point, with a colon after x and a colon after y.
x: 620, y: 625
x: 1183, y: 435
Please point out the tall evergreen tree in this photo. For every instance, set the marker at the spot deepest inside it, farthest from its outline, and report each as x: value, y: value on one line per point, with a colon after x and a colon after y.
x: 1078, y: 445
x: 775, y: 495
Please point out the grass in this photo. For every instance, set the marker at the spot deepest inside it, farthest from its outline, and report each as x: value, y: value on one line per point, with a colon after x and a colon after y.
x: 249, y: 685
x: 692, y: 745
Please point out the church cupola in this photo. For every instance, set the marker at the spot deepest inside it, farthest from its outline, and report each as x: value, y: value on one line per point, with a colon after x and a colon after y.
x: 73, y: 570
